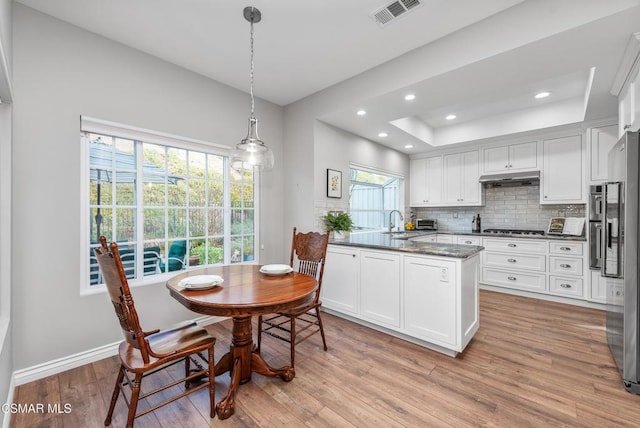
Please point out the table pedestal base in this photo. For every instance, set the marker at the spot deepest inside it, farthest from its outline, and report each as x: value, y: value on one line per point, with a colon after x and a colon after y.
x: 241, y: 361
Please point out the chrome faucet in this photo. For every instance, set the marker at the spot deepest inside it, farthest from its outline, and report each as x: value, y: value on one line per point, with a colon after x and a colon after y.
x: 391, y: 225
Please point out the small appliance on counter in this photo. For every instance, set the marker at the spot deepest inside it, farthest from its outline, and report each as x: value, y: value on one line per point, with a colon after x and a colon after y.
x: 426, y: 224
x: 475, y: 224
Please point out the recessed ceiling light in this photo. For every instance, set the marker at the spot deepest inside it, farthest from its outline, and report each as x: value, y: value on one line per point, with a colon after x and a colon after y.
x: 451, y: 117
x: 409, y: 97
x: 383, y: 134
x: 543, y: 94
x: 361, y: 112
x: 409, y: 146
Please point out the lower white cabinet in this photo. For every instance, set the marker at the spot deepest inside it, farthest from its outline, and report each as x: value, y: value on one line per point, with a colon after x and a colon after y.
x: 598, y: 287
x: 430, y: 294
x: 380, y: 287
x: 431, y: 299
x: 340, y: 283
x: 542, y: 266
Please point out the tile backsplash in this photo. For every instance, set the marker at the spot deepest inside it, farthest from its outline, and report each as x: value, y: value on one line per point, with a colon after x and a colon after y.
x: 504, y: 207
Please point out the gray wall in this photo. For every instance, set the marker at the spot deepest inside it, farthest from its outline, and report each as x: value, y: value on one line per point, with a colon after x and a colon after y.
x: 336, y: 149
x: 6, y: 349
x: 62, y: 72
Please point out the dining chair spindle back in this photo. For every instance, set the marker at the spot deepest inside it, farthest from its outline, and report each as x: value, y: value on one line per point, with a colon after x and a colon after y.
x: 308, y: 255
x: 146, y: 352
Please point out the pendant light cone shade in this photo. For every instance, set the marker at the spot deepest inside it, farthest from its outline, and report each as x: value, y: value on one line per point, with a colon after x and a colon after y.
x: 251, y: 153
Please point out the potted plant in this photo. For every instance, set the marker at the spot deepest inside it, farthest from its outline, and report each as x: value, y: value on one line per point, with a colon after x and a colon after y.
x: 338, y: 222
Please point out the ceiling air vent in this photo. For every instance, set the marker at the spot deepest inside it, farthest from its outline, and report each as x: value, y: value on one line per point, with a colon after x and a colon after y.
x: 388, y: 13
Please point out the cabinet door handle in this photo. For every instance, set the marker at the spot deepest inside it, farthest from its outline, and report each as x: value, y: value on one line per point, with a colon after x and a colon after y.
x: 564, y: 265
x: 512, y: 245
x: 510, y: 166
x: 565, y: 248
x: 545, y: 196
x: 353, y: 255
x: 512, y: 278
x: 468, y: 242
x: 564, y: 285
x: 511, y: 260
x: 506, y: 166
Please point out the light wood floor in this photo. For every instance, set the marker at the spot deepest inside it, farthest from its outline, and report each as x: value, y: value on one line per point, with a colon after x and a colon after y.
x: 532, y: 363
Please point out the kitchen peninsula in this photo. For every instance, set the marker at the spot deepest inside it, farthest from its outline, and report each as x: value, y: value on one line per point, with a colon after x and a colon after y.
x: 423, y: 292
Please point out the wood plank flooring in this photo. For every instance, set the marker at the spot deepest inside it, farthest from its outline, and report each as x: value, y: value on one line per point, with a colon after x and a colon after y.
x: 532, y: 364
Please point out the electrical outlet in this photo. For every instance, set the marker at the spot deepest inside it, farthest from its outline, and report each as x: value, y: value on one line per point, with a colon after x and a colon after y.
x: 444, y: 274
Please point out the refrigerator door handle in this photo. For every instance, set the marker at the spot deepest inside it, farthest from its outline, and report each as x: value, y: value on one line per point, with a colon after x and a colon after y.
x: 599, y: 241
x: 609, y: 269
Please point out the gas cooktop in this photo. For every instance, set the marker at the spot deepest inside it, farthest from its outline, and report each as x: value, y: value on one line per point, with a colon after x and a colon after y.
x: 527, y: 232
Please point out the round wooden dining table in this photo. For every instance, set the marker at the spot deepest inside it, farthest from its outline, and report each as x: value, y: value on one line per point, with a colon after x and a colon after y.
x: 245, y: 292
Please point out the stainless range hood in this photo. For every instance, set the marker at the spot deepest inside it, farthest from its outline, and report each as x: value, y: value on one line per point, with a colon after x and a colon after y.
x: 511, y: 177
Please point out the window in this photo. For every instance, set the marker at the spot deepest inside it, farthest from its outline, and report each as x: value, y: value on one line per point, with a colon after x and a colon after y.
x: 169, y: 205
x: 372, y: 195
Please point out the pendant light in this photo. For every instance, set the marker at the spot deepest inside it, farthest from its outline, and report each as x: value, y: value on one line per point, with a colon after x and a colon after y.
x: 251, y: 153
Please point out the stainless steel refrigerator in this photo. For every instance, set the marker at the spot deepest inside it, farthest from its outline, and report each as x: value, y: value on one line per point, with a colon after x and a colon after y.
x: 620, y: 261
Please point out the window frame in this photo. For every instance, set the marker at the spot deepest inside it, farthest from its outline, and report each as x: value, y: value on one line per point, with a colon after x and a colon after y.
x: 99, y: 126
x: 384, y: 211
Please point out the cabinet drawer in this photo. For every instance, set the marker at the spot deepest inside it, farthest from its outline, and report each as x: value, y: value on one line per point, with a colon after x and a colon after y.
x: 514, y: 261
x: 571, y: 287
x: 515, y: 245
x: 525, y: 281
x: 469, y: 240
x: 565, y: 265
x: 445, y: 239
x: 566, y: 248
x: 427, y: 238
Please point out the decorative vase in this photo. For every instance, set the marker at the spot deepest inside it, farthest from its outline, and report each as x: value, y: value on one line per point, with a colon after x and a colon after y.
x: 339, y: 235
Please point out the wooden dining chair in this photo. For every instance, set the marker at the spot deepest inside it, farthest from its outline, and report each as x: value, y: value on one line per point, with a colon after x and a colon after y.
x: 308, y: 254
x: 143, y: 353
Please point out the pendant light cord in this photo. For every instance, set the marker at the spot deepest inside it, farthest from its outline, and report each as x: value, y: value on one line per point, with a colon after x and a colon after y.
x: 251, y: 76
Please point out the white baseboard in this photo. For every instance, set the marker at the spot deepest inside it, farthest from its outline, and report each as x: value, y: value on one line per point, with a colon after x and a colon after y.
x: 6, y: 422
x: 29, y: 374
x: 59, y: 365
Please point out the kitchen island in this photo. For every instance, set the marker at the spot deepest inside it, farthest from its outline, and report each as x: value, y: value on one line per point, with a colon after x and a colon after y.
x: 423, y: 292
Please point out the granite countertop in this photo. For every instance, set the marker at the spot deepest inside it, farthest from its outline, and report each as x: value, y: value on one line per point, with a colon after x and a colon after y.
x: 385, y: 241
x: 406, y: 234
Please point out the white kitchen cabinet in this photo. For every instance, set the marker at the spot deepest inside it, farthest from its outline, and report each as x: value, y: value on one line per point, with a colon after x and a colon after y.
x: 598, y: 287
x: 460, y: 179
x: 551, y: 267
x: 380, y: 287
x: 626, y: 86
x: 602, y: 140
x: 431, y: 300
x: 444, y: 239
x: 341, y: 280
x: 515, y: 157
x: 425, y: 187
x: 469, y: 240
x: 429, y: 297
x: 425, y: 238
x: 562, y: 177
x: 441, y: 302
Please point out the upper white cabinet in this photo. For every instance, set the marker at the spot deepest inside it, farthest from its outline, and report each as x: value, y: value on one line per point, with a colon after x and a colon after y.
x: 516, y: 157
x: 626, y: 86
x: 426, y: 181
x: 602, y: 140
x: 460, y: 179
x: 562, y: 178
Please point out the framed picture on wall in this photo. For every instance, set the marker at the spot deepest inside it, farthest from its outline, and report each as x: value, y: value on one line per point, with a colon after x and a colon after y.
x: 334, y: 183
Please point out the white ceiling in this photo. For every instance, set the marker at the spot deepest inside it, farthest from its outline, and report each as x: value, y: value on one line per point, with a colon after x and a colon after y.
x: 302, y: 47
